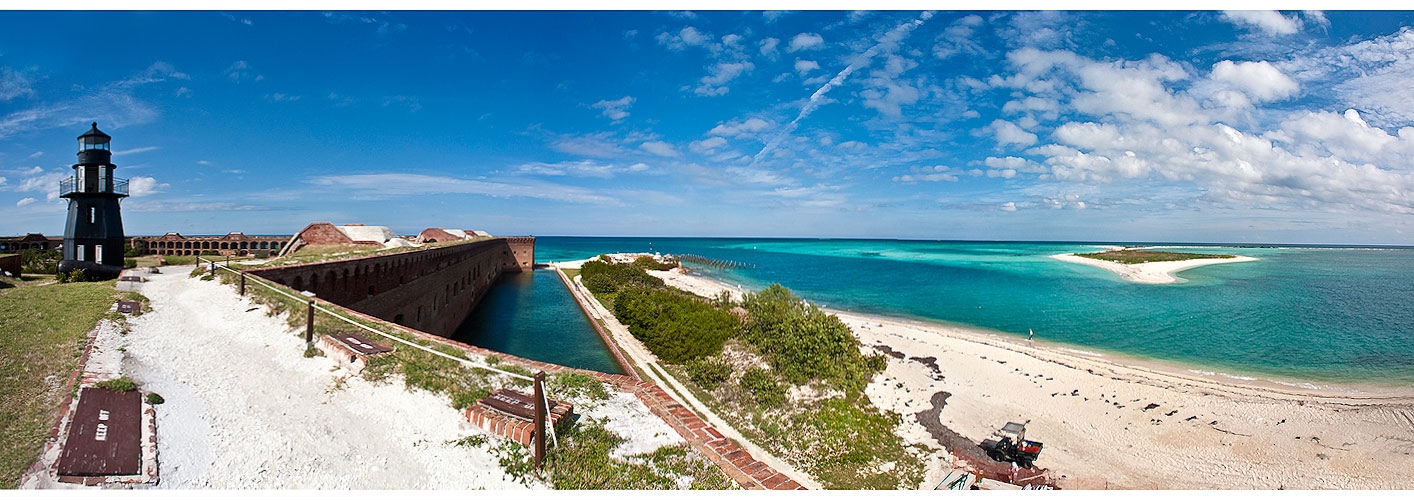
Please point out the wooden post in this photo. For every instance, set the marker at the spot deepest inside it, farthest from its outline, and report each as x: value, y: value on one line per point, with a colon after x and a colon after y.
x: 213, y: 268
x: 540, y: 412
x: 242, y: 282
x: 309, y: 325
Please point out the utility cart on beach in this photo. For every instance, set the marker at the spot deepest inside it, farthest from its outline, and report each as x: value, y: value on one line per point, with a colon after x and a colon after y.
x: 1010, y: 445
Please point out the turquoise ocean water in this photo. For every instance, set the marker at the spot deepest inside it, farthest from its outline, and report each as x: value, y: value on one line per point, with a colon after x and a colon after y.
x: 1300, y: 314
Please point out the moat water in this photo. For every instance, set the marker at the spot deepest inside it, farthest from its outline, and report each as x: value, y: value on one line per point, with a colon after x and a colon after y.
x: 533, y: 315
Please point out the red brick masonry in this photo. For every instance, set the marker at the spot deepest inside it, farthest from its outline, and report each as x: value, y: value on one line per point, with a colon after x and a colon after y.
x: 516, y: 429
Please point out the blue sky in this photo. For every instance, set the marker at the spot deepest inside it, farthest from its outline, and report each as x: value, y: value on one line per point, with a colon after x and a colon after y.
x: 1146, y: 126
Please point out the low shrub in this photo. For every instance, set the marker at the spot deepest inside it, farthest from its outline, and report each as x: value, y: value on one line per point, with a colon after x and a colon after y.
x: 803, y: 343
x: 617, y: 277
x: 708, y: 373
x: 120, y: 384
x: 676, y: 328
x: 763, y: 387
x: 645, y: 262
x: 567, y: 385
x: 155, y: 398
x: 34, y: 261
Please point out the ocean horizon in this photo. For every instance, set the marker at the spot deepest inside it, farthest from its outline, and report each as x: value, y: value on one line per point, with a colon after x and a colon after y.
x: 1302, y: 314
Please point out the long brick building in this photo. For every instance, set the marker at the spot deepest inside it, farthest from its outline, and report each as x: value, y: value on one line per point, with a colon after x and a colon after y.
x: 234, y: 244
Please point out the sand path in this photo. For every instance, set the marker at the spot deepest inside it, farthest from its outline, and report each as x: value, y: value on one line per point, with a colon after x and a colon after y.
x: 245, y: 409
x: 1112, y: 423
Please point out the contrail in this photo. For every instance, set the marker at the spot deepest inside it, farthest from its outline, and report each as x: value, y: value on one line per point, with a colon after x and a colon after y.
x: 893, y: 36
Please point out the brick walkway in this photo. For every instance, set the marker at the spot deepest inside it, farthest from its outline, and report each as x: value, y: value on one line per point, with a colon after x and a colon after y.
x: 737, y: 463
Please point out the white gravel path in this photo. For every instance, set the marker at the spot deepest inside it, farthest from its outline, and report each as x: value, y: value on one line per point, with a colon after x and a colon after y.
x: 245, y: 409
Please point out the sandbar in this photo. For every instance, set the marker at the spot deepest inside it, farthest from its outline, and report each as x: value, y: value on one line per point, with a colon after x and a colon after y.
x: 1155, y: 273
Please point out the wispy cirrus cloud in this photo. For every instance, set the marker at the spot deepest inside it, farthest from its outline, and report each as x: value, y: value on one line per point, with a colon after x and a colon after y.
x: 386, y: 185
x: 616, y: 109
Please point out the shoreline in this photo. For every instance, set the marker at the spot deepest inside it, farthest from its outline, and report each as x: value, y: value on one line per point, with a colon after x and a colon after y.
x: 1150, y: 273
x: 1211, y: 374
x: 1110, y: 421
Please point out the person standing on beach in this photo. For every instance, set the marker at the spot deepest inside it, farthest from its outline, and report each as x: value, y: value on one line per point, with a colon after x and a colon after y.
x: 1030, y: 334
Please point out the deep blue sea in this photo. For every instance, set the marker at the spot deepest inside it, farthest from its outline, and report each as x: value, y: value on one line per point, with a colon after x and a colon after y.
x: 1301, y: 314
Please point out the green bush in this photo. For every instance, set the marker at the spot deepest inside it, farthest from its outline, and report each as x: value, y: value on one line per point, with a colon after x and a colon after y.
x: 676, y: 328
x: 155, y: 399
x: 132, y: 251
x: 803, y: 343
x: 129, y: 263
x: 645, y: 262
x: 179, y: 260
x: 600, y: 284
x: 120, y: 384
x: 35, y: 261
x: 617, y: 276
x: 708, y: 373
x: 763, y: 387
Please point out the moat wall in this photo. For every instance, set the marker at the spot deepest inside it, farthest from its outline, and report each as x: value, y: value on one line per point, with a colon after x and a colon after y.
x: 431, y: 289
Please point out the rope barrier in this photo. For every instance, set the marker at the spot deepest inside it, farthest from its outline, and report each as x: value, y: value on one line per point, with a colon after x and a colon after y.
x: 543, y: 393
x: 394, y: 338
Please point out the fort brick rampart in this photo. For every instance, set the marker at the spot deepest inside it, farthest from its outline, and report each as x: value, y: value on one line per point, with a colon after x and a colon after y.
x: 431, y: 289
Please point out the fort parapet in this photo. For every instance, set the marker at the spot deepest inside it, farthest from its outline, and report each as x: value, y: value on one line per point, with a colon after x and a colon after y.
x: 430, y: 289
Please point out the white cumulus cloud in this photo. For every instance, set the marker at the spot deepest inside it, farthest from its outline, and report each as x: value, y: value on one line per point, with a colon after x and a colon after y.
x: 806, y: 41
x: 803, y: 66
x: 143, y: 186
x: 1261, y: 81
x: 1267, y: 21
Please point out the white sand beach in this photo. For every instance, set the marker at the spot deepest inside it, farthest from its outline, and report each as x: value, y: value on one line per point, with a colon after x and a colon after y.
x: 1109, y: 422
x: 1156, y: 273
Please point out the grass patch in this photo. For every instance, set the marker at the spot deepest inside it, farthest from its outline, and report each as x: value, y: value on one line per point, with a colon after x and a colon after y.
x: 42, y: 331
x: 179, y: 260
x: 583, y: 462
x: 1142, y: 256
x: 120, y: 384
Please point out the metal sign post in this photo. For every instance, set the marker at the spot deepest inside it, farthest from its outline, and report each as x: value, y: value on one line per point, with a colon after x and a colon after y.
x: 540, y: 412
x: 309, y: 325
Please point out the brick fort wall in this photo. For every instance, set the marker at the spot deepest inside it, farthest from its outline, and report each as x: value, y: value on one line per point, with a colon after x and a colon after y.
x: 430, y: 289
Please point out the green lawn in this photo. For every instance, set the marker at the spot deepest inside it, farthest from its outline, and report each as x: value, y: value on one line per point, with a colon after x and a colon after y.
x: 1142, y: 256
x: 42, y: 335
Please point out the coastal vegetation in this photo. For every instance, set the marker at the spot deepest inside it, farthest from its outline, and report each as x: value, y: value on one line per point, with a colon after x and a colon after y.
x: 1136, y: 256
x: 786, y: 374
x: 43, y: 328
x: 35, y: 261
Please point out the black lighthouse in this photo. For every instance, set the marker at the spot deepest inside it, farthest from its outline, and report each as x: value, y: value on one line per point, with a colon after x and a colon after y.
x: 93, y: 236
